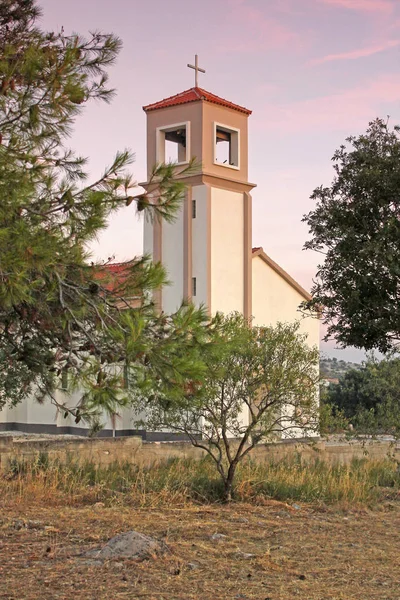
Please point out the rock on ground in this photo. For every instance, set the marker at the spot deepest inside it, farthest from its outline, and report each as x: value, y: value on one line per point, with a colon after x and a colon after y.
x: 131, y: 545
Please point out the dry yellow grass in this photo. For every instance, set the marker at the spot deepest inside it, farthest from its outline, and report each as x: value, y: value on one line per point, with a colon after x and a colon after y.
x: 175, y: 482
x: 49, y: 514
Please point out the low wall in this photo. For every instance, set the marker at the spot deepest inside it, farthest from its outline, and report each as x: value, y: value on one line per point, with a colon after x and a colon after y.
x: 104, y: 451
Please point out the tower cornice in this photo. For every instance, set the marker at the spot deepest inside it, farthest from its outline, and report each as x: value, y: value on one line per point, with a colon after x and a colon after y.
x: 212, y: 180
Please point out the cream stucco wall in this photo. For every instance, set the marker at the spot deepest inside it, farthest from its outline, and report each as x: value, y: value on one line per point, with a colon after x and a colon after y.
x: 147, y: 236
x: 200, y: 241
x: 274, y: 299
x: 172, y: 259
x: 227, y: 251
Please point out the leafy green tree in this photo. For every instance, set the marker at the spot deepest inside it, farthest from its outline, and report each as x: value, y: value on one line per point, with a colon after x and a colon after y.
x: 356, y: 226
x: 58, y: 309
x: 370, y: 397
x: 261, y: 382
x: 331, y: 419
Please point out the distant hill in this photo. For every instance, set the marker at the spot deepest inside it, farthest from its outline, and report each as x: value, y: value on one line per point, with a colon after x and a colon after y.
x: 335, y: 369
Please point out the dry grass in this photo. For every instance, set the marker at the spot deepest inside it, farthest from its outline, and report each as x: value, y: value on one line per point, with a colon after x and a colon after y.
x: 344, y: 551
x: 303, y: 553
x: 177, y: 482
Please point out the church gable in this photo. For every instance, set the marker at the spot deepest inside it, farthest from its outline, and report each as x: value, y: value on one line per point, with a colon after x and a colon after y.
x: 276, y: 296
x: 259, y: 252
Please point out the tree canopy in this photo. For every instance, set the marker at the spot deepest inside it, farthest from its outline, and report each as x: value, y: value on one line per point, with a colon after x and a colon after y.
x: 261, y: 383
x: 370, y: 397
x: 56, y: 312
x: 356, y: 227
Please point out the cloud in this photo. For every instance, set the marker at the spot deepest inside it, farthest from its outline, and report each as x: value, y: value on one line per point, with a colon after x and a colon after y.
x: 347, y: 111
x: 258, y: 30
x: 354, y: 54
x: 381, y: 6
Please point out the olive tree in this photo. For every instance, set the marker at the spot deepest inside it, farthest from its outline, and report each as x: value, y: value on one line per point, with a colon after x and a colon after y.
x: 260, y: 383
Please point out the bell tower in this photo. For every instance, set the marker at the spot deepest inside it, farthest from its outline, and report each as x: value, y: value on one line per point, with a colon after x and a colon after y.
x: 207, y: 250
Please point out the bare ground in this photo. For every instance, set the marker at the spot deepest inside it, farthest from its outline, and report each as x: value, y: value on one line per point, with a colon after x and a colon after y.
x: 309, y: 553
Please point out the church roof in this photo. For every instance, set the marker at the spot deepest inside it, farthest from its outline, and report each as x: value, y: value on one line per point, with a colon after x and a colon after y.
x: 271, y: 263
x: 194, y: 95
x: 112, y: 276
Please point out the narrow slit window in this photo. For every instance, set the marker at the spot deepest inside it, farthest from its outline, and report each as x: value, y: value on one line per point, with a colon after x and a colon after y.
x: 194, y: 286
x: 194, y: 209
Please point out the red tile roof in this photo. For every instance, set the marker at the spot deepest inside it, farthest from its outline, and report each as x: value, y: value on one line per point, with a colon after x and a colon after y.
x: 117, y: 268
x: 194, y: 95
x: 112, y: 276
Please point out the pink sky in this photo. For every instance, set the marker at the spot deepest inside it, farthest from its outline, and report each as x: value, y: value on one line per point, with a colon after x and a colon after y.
x: 312, y: 71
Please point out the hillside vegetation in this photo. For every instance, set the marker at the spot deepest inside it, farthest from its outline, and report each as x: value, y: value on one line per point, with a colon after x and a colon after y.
x: 336, y: 369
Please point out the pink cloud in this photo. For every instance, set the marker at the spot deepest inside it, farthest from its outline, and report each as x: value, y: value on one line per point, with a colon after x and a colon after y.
x: 382, y: 6
x: 258, y: 32
x: 354, y: 54
x: 346, y: 111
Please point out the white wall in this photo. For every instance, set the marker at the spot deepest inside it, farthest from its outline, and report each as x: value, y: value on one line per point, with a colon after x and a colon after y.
x: 227, y: 251
x: 172, y: 259
x: 200, y: 243
x: 274, y: 299
x: 16, y: 414
x: 31, y: 412
x: 147, y: 236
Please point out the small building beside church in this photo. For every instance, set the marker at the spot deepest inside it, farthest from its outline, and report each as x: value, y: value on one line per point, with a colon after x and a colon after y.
x: 208, y: 250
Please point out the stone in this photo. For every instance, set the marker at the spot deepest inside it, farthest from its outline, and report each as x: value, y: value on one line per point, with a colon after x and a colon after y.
x: 132, y: 544
x: 244, y: 555
x: 216, y: 537
x: 93, y: 563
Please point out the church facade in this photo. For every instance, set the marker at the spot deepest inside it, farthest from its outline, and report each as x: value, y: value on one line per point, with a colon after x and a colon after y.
x: 207, y: 251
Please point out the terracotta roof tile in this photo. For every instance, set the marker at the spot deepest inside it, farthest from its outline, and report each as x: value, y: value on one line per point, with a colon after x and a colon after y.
x: 113, y: 275
x: 194, y: 95
x: 117, y: 267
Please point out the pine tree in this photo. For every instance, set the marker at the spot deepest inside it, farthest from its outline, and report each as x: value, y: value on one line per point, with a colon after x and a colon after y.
x: 60, y: 312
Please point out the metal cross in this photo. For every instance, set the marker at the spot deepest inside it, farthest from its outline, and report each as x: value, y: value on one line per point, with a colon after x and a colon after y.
x: 197, y: 70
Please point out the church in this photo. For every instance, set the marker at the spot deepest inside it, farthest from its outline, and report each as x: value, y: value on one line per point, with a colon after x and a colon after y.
x: 208, y: 250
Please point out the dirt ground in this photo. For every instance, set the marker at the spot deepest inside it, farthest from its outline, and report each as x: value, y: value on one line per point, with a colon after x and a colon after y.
x: 271, y: 552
